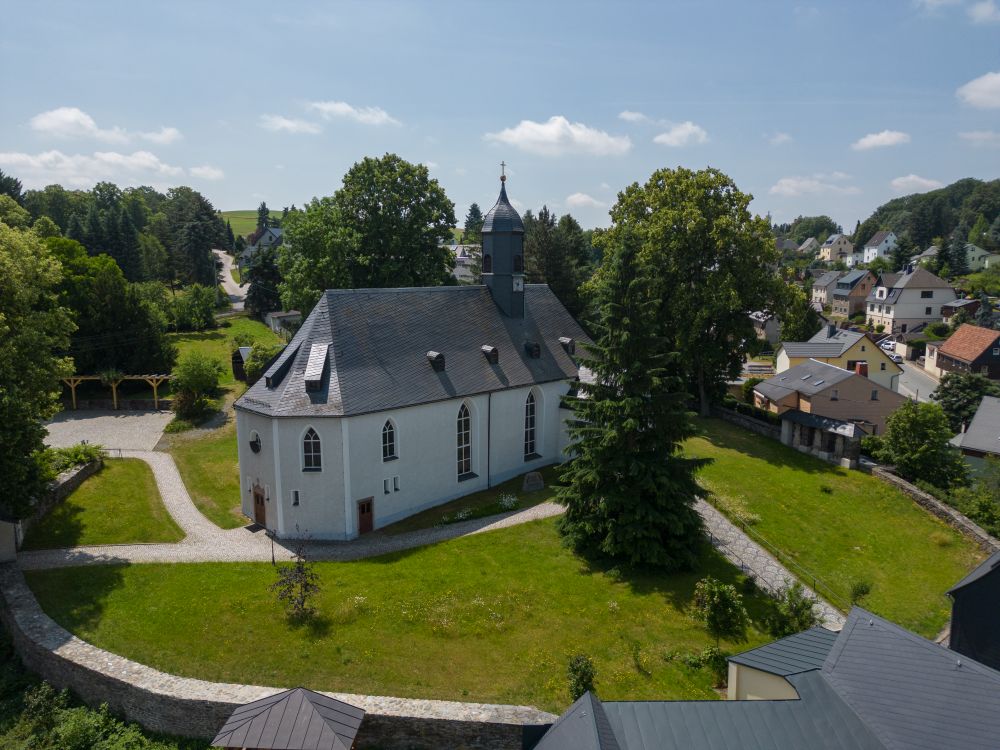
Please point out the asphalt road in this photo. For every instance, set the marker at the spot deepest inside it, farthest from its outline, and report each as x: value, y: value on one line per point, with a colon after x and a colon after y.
x: 914, y: 382
x: 237, y: 293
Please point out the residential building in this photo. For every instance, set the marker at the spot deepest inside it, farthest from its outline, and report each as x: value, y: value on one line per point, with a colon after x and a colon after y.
x: 786, y: 245
x: 845, y: 349
x: 260, y: 240
x: 969, y: 349
x: 809, y: 246
x: 823, y: 286
x: 926, y: 256
x: 880, y: 245
x: 970, y: 306
x: 854, y: 259
x: 851, y: 291
x: 981, y: 438
x: 767, y: 326
x: 354, y: 425
x: 975, y: 607
x: 903, y: 301
x: 465, y: 257
x: 837, y: 247
x: 976, y: 257
x: 821, y: 390
x: 872, y: 686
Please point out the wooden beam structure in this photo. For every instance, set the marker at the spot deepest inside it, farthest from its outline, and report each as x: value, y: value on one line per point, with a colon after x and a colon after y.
x: 154, y: 382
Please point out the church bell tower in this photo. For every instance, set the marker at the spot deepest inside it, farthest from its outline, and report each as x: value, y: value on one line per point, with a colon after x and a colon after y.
x: 503, y: 254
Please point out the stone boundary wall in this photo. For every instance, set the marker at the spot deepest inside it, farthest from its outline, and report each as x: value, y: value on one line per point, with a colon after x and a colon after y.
x: 188, y: 707
x: 942, y: 510
x: 59, y: 489
x: 748, y: 423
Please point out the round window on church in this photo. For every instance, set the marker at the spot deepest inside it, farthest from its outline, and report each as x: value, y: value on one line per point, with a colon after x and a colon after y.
x: 255, y: 442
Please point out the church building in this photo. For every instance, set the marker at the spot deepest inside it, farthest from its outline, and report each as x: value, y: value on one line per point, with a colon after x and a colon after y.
x: 390, y: 401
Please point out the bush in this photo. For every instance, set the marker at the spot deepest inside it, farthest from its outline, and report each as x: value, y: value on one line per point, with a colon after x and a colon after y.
x: 195, y: 378
x: 939, y: 329
x: 581, y: 674
x: 59, y: 460
x: 859, y: 590
x: 748, y: 385
x: 792, y: 612
x: 871, y: 445
x: 720, y: 607
x: 256, y: 363
x: 194, y: 309
x: 715, y: 661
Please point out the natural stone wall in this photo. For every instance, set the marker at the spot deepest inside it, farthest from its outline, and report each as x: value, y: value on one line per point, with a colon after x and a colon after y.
x: 748, y: 423
x: 59, y: 489
x: 195, y: 708
x: 942, y: 510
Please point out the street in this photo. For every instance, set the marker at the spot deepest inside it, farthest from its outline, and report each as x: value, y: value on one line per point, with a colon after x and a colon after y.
x: 914, y: 382
x: 236, y: 292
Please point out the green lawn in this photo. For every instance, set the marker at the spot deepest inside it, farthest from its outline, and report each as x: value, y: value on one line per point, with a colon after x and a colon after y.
x: 118, y: 505
x: 210, y: 468
x: 215, y: 342
x: 842, y: 526
x: 493, y: 617
x: 242, y: 222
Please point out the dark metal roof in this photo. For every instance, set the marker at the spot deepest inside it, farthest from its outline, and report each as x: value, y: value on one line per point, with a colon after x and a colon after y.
x: 878, y: 238
x: 829, y: 424
x: 827, y: 278
x: 502, y: 217
x: 297, y: 719
x: 378, y: 340
x: 583, y: 726
x: 809, y: 378
x: 813, y: 349
x: 850, y: 279
x: 983, y: 432
x: 990, y: 564
x: 787, y: 656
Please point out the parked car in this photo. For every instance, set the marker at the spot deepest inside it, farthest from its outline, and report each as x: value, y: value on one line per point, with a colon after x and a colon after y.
x: 889, y: 346
x: 897, y: 358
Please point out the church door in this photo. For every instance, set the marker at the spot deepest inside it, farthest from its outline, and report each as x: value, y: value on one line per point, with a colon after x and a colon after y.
x: 259, y: 508
x: 366, y: 516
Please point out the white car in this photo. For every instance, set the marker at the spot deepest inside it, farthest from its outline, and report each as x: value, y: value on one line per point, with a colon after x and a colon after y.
x: 889, y: 346
x: 897, y: 358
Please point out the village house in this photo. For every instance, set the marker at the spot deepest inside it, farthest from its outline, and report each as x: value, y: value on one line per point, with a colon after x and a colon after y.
x: 975, y: 257
x: 263, y: 239
x: 837, y: 247
x: 841, y: 348
x: 969, y: 349
x: 880, y: 245
x: 902, y: 301
x: 465, y: 257
x: 809, y: 246
x: 928, y: 255
x: 980, y: 439
x: 850, y: 292
x: 766, y: 326
x: 970, y: 306
x: 823, y: 286
x: 390, y: 401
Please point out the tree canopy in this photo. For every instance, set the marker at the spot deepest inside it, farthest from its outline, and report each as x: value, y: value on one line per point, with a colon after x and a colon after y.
x: 916, y: 443
x: 960, y: 394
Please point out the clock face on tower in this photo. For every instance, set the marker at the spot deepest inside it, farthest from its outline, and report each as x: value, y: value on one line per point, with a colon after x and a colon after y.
x: 518, y: 284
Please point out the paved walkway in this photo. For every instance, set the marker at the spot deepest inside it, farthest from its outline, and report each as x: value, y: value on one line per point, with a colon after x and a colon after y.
x: 112, y: 429
x: 206, y: 542
x: 237, y: 292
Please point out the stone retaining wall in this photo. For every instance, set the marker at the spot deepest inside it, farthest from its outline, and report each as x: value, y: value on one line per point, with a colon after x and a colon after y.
x: 59, y: 489
x: 748, y: 423
x: 942, y: 510
x: 195, y: 708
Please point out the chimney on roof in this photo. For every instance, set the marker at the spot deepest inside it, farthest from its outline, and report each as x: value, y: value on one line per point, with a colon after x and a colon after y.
x: 568, y: 344
x: 437, y: 360
x: 861, y: 368
x: 491, y: 353
x: 831, y: 330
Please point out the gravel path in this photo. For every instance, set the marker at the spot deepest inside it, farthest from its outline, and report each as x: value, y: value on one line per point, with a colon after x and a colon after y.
x: 112, y: 429
x: 206, y: 542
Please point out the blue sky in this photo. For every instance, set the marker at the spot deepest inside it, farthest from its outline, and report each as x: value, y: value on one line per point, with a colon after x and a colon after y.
x: 813, y: 108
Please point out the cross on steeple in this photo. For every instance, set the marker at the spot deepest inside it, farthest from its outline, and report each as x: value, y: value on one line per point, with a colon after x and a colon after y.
x: 503, y: 177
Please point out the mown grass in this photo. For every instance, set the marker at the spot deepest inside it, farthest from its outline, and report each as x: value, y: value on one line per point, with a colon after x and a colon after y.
x: 492, y: 617
x: 843, y: 526
x: 216, y: 342
x: 243, y: 222
x: 118, y: 505
x: 209, y: 465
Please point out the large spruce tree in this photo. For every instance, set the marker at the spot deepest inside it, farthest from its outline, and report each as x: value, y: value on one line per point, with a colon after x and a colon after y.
x: 629, y: 493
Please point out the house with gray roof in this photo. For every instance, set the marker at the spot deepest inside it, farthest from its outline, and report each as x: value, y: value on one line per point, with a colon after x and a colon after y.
x: 873, y: 686
x: 823, y: 286
x: 902, y: 301
x: 389, y: 401
x: 850, y: 291
x: 981, y: 438
x: 880, y: 245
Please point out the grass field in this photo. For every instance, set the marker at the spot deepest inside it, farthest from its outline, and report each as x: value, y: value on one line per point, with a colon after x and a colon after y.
x: 118, y: 505
x: 210, y: 469
x: 242, y: 222
x: 492, y: 617
x: 216, y: 342
x: 843, y: 526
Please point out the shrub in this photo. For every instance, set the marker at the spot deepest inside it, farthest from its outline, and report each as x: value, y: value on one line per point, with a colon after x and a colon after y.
x: 581, y: 673
x: 296, y: 586
x: 715, y: 661
x: 195, y: 377
x: 859, y: 590
x: 871, y: 445
x: 507, y: 501
x: 260, y: 355
x: 59, y: 460
x: 720, y: 607
x: 194, y: 309
x: 792, y: 612
x: 748, y: 385
x: 879, y: 328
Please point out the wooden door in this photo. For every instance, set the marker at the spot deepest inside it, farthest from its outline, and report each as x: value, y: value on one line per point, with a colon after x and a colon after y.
x: 259, y: 508
x: 366, y: 515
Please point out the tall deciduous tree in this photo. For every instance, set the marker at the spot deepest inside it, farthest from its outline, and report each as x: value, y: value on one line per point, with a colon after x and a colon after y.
x: 315, y: 255
x: 710, y: 258
x: 34, y: 331
x: 799, y: 321
x: 629, y: 492
x: 916, y: 443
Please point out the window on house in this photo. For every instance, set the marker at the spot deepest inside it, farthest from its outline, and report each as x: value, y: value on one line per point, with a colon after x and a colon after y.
x: 927, y: 294
x: 874, y: 395
x: 529, y: 427
x: 388, y: 441
x: 927, y: 310
x: 464, y: 441
x: 996, y: 351
x: 395, y: 484
x: 882, y: 366
x: 835, y: 395
x: 863, y: 347
x: 312, y: 459
x: 518, y: 264
x: 295, y: 497
x: 385, y: 487
x: 487, y: 263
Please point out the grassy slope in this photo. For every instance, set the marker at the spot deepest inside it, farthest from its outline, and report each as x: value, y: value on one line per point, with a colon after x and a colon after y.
x: 491, y: 617
x: 210, y: 468
x: 242, y: 222
x: 215, y: 342
x: 862, y: 529
x: 119, y: 504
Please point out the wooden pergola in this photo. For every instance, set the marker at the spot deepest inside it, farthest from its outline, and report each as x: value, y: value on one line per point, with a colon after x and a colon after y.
x: 154, y: 381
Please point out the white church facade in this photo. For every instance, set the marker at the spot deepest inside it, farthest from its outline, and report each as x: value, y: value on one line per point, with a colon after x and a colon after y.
x: 390, y: 401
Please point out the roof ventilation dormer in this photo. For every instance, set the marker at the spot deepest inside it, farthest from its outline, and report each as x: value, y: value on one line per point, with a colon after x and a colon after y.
x: 491, y: 353
x: 533, y: 349
x: 437, y: 360
x: 568, y: 344
x: 315, y: 367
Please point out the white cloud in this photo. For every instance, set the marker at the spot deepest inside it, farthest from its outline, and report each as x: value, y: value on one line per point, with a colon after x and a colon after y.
x: 882, y: 139
x: 582, y: 200
x: 431, y: 164
x: 84, y: 170
x: 207, y: 172
x: 981, y: 137
x: 162, y: 136
x: 682, y: 134
x: 815, y: 184
x: 559, y: 136
x: 280, y: 124
x: 912, y: 183
x: 982, y: 92
x: 778, y: 139
x: 630, y: 116
x: 365, y: 115
x: 72, y: 122
x: 984, y: 12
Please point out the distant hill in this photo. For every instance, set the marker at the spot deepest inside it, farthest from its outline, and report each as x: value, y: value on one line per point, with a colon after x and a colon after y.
x: 924, y: 216
x: 242, y: 222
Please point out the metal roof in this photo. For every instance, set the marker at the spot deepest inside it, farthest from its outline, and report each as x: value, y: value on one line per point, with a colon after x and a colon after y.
x: 809, y: 378
x: 296, y: 719
x: 583, y: 726
x: 850, y: 279
x: 378, y: 340
x: 812, y: 349
x: 832, y: 239
x: 787, y: 656
x: 829, y: 424
x: 990, y: 564
x: 827, y: 278
x: 502, y: 217
x: 983, y: 432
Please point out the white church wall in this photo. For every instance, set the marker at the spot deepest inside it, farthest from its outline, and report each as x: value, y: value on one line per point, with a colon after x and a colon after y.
x: 256, y: 468
x: 321, y: 510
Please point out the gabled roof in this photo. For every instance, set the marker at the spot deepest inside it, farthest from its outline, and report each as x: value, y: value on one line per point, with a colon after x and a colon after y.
x: 796, y: 653
x: 990, y: 564
x: 296, y: 719
x: 850, y: 279
x: 583, y: 725
x: 821, y: 350
x: 378, y: 341
x: 878, y: 238
x: 827, y: 424
x: 827, y: 278
x: 919, y: 278
x: 808, y: 241
x: 832, y: 239
x: 502, y: 217
x: 983, y: 433
x: 969, y: 342
x: 807, y: 379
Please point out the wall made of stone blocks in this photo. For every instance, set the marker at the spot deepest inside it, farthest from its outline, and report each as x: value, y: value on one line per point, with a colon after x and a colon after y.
x: 59, y: 489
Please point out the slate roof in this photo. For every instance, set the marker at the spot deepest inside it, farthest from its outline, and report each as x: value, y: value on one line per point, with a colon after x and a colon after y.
x: 850, y: 280
x: 796, y: 653
x: 919, y: 278
x: 809, y: 378
x: 583, y: 725
x: 969, y: 342
x: 378, y: 342
x: 832, y: 239
x: 983, y: 433
x: 827, y: 278
x: 822, y: 344
x: 990, y: 564
x: 878, y: 238
x: 502, y: 217
x: 296, y: 719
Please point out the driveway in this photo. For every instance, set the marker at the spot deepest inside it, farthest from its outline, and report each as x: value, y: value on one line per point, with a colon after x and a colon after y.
x: 237, y: 292
x: 137, y: 430
x: 916, y: 383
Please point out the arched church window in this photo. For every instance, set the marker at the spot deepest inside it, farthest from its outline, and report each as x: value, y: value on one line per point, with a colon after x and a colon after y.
x: 388, y: 441
x: 487, y: 264
x: 518, y: 264
x: 529, y: 427
x: 312, y: 459
x: 464, y: 441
